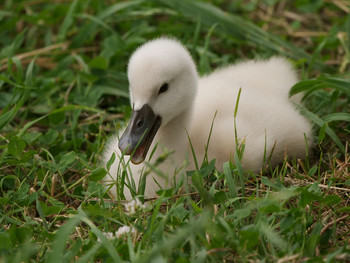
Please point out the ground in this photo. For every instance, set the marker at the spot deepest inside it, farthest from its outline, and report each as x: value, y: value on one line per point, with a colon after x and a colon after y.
x: 64, y: 91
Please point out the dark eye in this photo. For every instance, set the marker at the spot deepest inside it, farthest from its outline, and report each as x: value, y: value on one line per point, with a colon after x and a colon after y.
x: 163, y: 88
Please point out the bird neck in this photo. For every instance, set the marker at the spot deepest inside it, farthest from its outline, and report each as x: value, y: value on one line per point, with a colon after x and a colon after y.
x: 173, y: 135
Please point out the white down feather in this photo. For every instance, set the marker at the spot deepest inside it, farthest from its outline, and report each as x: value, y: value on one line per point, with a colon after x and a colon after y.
x: 266, y: 117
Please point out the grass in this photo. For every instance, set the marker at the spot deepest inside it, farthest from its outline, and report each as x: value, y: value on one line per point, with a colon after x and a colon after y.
x: 63, y: 91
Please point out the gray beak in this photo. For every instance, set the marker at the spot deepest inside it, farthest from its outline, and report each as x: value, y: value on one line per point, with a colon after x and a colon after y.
x: 138, y: 136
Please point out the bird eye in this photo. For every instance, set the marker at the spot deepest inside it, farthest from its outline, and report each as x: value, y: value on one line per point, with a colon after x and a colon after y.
x: 163, y: 88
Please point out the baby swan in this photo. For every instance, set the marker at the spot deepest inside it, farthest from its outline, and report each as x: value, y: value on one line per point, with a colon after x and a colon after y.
x: 169, y: 101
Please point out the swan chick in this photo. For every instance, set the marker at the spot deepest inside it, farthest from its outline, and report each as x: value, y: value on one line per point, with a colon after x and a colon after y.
x: 171, y: 105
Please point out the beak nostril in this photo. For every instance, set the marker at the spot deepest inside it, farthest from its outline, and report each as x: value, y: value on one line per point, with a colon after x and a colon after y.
x: 139, y: 123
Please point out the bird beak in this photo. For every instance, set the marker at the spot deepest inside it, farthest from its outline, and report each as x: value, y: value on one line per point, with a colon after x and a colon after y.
x: 138, y: 136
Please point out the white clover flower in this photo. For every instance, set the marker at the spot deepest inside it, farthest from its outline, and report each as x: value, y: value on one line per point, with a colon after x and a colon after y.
x: 108, y: 235
x: 133, y: 206
x: 124, y: 230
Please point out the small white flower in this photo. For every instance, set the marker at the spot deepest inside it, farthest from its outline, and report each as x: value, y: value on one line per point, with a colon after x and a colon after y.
x: 133, y: 206
x: 108, y: 235
x: 124, y: 230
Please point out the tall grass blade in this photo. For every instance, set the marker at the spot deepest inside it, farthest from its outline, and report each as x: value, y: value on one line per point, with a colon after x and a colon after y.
x: 62, y: 235
x: 181, y: 235
x: 67, y: 22
x: 88, y: 31
x: 204, y: 65
x: 317, y: 120
x: 29, y: 74
x: 8, y: 116
x: 65, y: 108
x: 98, y: 22
x: 232, y: 191
x: 321, y: 83
x: 237, y: 102
x: 205, y: 158
x: 338, y: 116
x: 112, y: 252
x: 41, y: 213
x: 272, y: 236
x: 90, y: 253
x: 240, y: 171
x: 115, y: 8
x: 337, y: 83
x: 306, y: 86
x: 192, y: 150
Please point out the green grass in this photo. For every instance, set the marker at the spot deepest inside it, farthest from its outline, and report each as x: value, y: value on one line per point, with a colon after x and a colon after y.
x: 64, y: 91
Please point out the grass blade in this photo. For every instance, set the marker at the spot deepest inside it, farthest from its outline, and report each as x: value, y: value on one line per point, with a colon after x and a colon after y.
x: 68, y: 21
x: 29, y: 74
x: 6, y: 117
x: 112, y: 252
x: 317, y: 120
x: 321, y: 83
x: 59, y: 244
x: 232, y: 191
x: 238, y: 28
x: 339, y: 116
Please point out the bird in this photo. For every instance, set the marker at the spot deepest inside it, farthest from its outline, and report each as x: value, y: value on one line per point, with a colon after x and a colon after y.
x: 186, y: 117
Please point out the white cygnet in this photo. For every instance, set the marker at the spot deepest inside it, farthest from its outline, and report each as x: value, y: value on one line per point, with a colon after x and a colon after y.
x: 172, y: 105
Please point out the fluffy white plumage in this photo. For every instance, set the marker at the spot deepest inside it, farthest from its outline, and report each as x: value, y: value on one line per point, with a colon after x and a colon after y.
x: 265, y: 118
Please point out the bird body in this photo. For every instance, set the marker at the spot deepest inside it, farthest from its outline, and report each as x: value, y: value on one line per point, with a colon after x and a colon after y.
x: 172, y: 105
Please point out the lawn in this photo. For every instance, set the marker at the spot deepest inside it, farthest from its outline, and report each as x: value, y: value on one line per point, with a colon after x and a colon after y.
x: 64, y: 91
